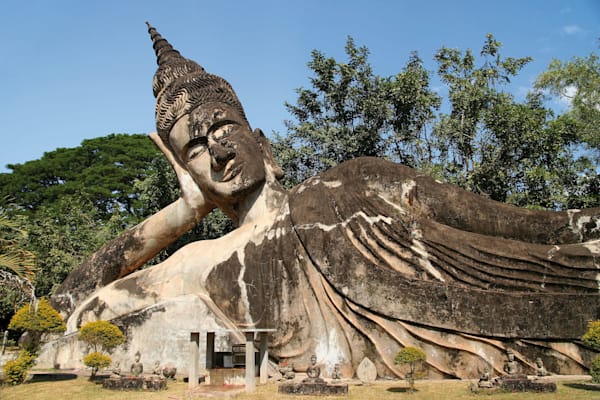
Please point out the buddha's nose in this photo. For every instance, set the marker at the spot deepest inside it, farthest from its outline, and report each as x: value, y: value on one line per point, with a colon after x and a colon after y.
x: 221, y: 153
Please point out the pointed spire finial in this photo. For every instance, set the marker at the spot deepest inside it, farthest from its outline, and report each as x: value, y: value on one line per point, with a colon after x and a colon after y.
x: 163, y: 49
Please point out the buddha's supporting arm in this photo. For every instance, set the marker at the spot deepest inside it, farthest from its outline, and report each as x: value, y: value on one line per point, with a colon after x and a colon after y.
x: 135, y: 247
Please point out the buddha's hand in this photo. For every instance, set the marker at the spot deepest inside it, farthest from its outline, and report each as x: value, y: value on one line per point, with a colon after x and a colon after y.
x: 190, y: 192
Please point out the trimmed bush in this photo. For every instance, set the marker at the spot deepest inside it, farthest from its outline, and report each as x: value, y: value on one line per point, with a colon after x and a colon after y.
x: 595, y: 369
x: 96, y: 361
x: 15, y: 371
x: 36, y: 320
x: 414, y: 358
x: 592, y: 336
x: 44, y: 319
x: 101, y: 334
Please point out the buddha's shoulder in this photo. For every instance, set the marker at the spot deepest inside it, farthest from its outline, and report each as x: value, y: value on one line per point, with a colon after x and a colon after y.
x: 354, y: 175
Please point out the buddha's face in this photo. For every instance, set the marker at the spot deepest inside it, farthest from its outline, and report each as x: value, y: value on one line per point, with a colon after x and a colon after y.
x: 215, y: 144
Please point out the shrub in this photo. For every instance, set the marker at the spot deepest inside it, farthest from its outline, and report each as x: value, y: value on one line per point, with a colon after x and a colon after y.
x: 414, y: 358
x: 36, y: 320
x: 96, y: 361
x: 101, y: 334
x: 15, y: 371
x: 43, y: 319
x: 592, y: 336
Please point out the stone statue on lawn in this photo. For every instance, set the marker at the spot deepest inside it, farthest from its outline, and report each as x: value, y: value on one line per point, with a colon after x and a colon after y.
x: 356, y: 262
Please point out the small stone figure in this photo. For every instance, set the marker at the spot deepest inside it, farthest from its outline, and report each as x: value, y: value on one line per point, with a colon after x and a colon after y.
x: 485, y: 381
x: 540, y: 370
x: 313, y: 371
x: 156, y: 370
x: 137, y: 367
x: 286, y: 371
x: 511, y: 367
x: 116, y: 371
x: 169, y: 371
x: 336, y: 374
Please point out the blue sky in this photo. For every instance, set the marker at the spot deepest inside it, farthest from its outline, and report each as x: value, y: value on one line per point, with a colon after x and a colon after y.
x: 73, y: 70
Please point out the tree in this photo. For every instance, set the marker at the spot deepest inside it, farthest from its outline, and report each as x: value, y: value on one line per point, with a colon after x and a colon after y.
x: 414, y: 358
x: 13, y: 256
x: 472, y: 93
x: 412, y: 107
x: 519, y: 153
x: 341, y: 117
x: 17, y: 265
x: 578, y: 82
x: 101, y: 335
x: 15, y: 371
x: 62, y: 234
x: 592, y: 338
x: 102, y: 170
x: 37, y: 319
x: 96, y: 361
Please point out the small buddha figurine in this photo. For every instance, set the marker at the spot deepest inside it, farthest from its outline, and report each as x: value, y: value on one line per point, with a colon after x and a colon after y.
x: 137, y: 368
x: 511, y: 367
x: 485, y: 380
x: 336, y: 374
x: 313, y: 371
x: 156, y: 370
x: 540, y: 370
x: 116, y: 371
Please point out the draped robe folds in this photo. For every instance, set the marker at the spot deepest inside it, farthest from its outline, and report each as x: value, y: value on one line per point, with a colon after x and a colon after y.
x: 371, y: 256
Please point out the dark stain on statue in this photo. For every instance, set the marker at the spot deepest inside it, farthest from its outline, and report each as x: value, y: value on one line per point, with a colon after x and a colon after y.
x: 95, y: 305
x: 130, y: 285
x: 223, y: 287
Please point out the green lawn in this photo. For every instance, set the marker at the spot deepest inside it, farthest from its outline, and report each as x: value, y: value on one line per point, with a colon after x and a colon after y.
x: 82, y: 388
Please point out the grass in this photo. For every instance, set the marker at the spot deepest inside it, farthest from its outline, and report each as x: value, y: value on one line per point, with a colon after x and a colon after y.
x: 82, y: 388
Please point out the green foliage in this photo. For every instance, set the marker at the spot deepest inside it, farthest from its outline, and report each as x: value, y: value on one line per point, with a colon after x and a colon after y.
x: 340, y: 118
x: 13, y: 239
x: 15, y: 371
x: 595, y: 369
x: 43, y: 318
x: 101, y: 334
x: 592, y: 335
x: 35, y: 320
x: 63, y: 234
x: 414, y: 358
x: 578, y: 82
x: 410, y: 355
x: 488, y: 143
x: 96, y: 361
x: 101, y: 170
x: 412, y: 104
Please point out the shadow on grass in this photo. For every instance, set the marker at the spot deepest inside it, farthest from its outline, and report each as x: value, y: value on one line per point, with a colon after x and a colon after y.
x: 584, y: 386
x: 51, y: 376
x: 402, y: 390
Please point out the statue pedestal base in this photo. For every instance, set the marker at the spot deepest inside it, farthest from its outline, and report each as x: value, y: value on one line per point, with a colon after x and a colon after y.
x: 521, y: 383
x: 314, y: 388
x: 135, y: 383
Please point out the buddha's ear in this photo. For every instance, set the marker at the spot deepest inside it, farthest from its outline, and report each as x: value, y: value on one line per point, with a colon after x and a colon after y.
x: 265, y: 147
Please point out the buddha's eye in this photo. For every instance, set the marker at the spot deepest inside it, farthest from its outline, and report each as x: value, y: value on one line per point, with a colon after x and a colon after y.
x: 196, y: 147
x: 222, y: 131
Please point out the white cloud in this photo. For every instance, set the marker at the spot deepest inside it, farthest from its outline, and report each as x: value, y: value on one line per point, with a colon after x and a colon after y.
x: 566, y: 97
x: 572, y: 29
